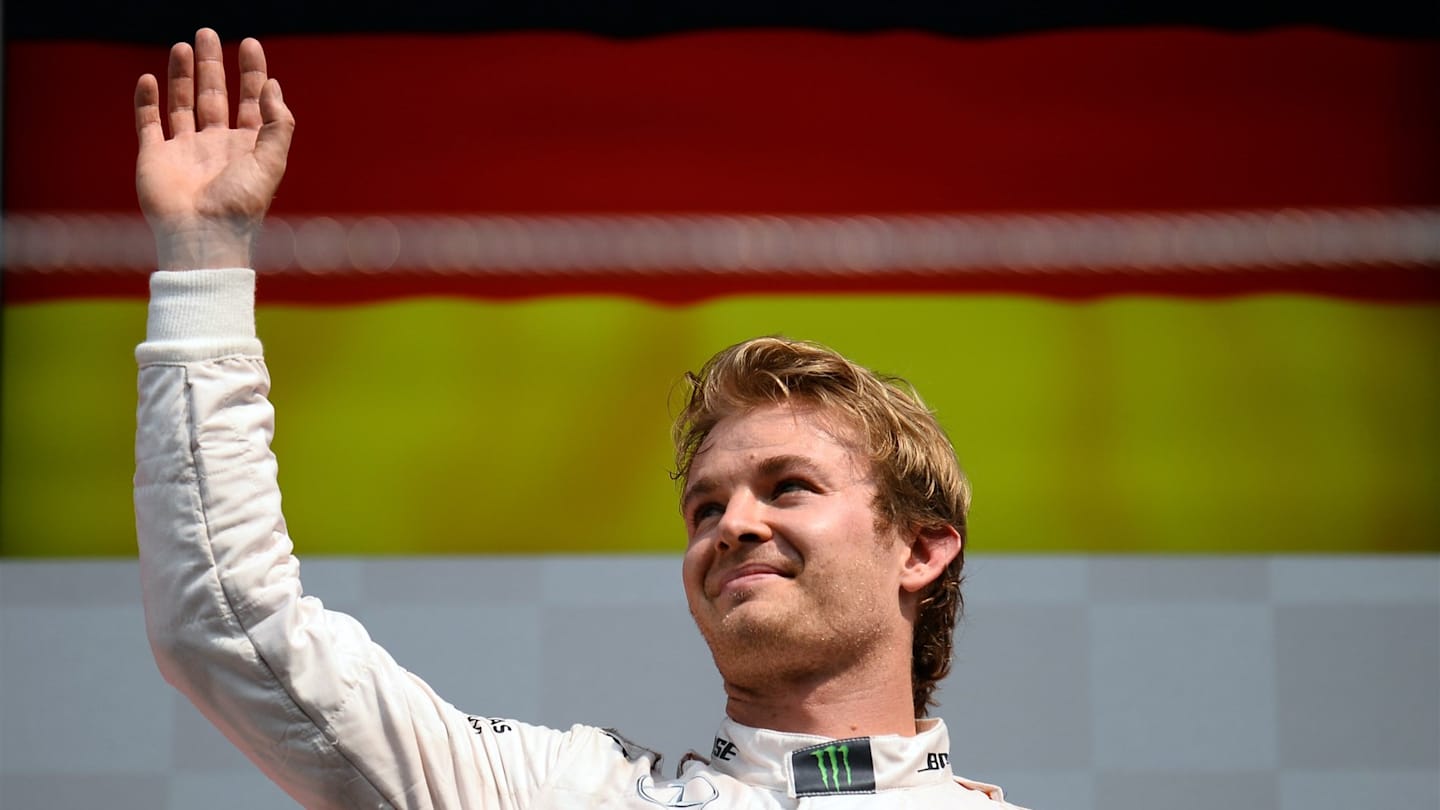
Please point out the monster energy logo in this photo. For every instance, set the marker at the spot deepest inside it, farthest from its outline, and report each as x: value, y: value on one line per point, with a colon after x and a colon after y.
x: 834, y: 773
x: 842, y: 766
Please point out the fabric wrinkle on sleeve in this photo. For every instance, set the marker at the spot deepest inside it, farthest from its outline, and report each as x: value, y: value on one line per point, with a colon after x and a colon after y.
x: 303, y: 691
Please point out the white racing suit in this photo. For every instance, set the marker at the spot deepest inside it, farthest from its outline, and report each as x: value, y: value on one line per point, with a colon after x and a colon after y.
x: 326, y: 712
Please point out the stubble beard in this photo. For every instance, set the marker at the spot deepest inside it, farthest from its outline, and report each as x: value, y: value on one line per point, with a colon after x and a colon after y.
x: 775, y: 640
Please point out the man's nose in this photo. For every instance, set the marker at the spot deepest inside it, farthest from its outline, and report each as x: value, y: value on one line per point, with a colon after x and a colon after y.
x: 743, y: 521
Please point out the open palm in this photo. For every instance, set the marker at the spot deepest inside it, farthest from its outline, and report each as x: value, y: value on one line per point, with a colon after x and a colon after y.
x: 206, y: 188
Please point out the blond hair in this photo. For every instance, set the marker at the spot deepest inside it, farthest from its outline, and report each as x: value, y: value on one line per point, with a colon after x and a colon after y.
x: 918, y: 480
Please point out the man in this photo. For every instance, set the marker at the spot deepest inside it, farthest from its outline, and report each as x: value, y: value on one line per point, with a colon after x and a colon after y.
x: 824, y: 510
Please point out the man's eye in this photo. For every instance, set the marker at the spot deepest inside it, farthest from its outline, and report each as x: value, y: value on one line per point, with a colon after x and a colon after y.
x: 791, y: 485
x: 704, y: 512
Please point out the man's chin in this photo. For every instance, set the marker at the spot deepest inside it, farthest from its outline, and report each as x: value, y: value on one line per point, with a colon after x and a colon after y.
x: 756, y: 619
x: 756, y: 646
x: 746, y: 621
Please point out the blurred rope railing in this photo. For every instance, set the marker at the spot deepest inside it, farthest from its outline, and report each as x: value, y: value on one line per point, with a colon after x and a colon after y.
x: 1040, y: 243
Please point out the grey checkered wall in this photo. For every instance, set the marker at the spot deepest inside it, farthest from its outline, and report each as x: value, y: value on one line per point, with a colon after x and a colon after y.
x: 1285, y: 683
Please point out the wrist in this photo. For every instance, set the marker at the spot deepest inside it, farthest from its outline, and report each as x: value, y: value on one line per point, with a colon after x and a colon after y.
x: 204, y: 246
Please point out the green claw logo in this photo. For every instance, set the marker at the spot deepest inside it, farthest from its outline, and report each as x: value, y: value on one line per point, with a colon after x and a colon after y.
x: 838, y: 766
x: 834, y: 773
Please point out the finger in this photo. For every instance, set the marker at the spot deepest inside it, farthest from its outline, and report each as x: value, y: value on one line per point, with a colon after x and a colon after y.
x: 147, y: 111
x: 273, y: 143
x: 182, y: 89
x: 212, y: 104
x: 252, y: 81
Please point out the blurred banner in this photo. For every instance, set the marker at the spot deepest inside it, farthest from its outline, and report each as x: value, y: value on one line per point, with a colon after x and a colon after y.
x: 1169, y: 289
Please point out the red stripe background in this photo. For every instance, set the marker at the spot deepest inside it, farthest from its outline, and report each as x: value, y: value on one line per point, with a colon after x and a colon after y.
x: 776, y: 122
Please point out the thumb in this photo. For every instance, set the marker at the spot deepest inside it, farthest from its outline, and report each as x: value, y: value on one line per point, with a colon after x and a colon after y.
x: 277, y: 127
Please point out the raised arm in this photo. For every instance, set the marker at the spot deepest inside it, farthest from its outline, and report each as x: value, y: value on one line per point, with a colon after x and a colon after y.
x: 303, y: 691
x: 206, y: 187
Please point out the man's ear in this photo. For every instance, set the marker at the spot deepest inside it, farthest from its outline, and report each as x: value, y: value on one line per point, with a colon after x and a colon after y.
x: 931, y: 550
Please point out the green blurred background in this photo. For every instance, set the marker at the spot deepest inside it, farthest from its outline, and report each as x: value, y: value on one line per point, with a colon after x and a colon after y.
x: 1131, y: 424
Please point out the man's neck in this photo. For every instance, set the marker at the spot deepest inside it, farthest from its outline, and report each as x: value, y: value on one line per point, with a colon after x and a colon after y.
x: 850, y: 704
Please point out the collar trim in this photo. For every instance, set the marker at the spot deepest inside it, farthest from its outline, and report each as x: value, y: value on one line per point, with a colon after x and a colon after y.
x: 811, y: 765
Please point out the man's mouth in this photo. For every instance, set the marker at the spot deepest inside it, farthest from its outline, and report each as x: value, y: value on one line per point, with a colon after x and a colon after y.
x: 749, y: 575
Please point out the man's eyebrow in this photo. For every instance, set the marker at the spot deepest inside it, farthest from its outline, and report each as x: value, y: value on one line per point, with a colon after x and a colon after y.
x: 697, y: 489
x: 789, y: 463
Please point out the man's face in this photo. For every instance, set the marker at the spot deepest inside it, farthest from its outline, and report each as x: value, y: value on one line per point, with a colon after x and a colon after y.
x: 786, y: 573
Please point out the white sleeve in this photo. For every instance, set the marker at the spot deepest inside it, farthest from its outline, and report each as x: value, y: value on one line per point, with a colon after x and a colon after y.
x: 303, y: 691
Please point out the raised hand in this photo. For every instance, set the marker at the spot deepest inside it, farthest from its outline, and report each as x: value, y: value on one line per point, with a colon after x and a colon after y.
x: 206, y: 188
